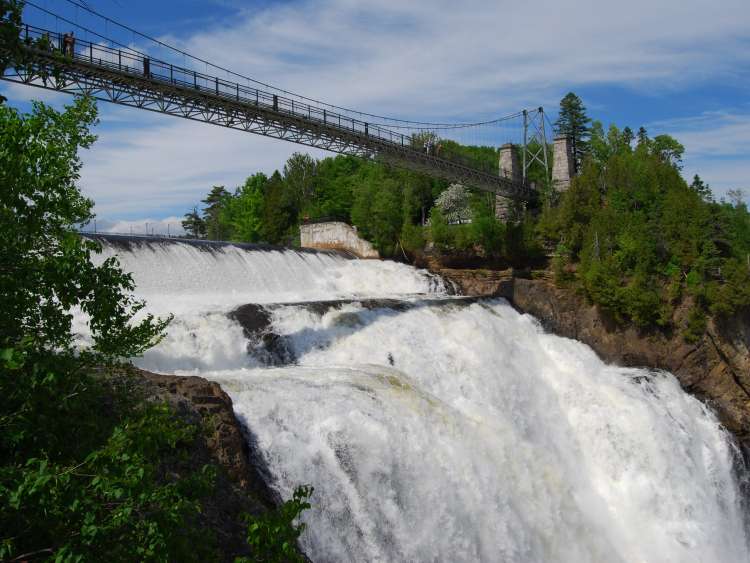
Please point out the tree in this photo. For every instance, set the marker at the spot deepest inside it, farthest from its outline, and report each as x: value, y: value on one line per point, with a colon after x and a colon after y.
x: 737, y: 197
x: 245, y: 209
x: 10, y: 39
x: 668, y: 150
x: 453, y: 203
x: 46, y: 267
x: 572, y: 122
x: 194, y: 225
x: 299, y: 176
x: 277, y: 216
x: 702, y: 189
x: 215, y: 202
x: 643, y: 139
x: 627, y: 137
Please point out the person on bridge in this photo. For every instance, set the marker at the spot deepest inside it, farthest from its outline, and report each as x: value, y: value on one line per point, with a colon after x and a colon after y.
x: 69, y: 44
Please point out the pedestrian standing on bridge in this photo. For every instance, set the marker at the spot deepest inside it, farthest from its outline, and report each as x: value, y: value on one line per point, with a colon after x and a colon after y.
x: 69, y: 44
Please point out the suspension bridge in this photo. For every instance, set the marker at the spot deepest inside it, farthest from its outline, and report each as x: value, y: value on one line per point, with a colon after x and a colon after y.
x: 111, y: 71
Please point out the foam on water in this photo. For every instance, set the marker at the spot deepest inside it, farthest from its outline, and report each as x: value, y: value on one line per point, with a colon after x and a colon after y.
x: 458, y: 432
x: 179, y: 277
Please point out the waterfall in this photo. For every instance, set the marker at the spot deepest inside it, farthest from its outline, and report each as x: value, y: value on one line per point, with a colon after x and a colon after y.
x: 437, y: 428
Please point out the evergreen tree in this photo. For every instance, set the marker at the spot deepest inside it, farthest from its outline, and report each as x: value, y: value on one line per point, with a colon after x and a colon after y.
x: 194, y: 225
x: 573, y: 123
x: 642, y: 137
x: 628, y: 137
x: 215, y: 202
x: 277, y: 217
x: 702, y: 189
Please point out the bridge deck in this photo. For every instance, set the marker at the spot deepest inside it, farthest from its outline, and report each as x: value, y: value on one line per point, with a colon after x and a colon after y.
x: 130, y: 78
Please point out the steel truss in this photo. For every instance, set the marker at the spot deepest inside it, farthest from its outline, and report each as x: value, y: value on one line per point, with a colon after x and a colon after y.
x: 125, y: 86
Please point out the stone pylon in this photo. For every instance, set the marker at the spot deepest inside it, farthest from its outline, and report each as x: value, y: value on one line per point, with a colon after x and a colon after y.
x: 510, y: 168
x: 563, y: 166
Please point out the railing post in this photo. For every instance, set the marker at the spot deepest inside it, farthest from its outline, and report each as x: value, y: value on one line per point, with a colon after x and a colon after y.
x: 27, y: 32
x: 257, y: 101
x: 367, y: 133
x: 324, y: 116
x: 237, y: 84
x: 119, y: 59
x: 171, y: 73
x: 216, y: 79
x: 275, y: 103
x: 195, y: 80
x: 91, y: 52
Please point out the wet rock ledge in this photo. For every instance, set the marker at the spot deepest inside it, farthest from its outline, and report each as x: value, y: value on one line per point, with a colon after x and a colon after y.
x: 715, y: 369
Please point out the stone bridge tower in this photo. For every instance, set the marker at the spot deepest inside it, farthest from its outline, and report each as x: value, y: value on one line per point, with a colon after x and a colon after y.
x: 563, y: 165
x: 510, y: 167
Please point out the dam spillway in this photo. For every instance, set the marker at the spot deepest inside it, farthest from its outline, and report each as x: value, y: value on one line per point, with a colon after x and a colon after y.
x: 436, y: 428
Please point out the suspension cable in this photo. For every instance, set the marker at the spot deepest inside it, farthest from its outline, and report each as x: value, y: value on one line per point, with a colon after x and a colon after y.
x: 407, y: 124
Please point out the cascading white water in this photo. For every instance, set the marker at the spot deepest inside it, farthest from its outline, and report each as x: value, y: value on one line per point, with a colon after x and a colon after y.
x: 445, y: 430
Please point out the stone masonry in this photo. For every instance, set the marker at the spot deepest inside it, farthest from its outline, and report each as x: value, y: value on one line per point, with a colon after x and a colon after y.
x: 563, y: 168
x: 510, y: 168
x: 336, y: 235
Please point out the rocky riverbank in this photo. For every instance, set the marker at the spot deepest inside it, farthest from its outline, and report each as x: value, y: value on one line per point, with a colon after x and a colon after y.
x: 716, y: 368
x: 240, y: 485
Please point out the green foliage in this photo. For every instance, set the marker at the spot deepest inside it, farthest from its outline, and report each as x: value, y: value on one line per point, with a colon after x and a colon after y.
x: 89, y: 470
x: 696, y: 325
x: 412, y: 237
x: 194, y: 225
x: 46, y: 267
x: 77, y: 483
x: 273, y: 536
x: 244, y: 211
x: 644, y: 239
x: 10, y: 42
x: 214, y: 217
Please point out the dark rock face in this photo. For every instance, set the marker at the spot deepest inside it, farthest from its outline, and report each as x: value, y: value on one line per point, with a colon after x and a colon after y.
x: 716, y: 369
x: 240, y: 486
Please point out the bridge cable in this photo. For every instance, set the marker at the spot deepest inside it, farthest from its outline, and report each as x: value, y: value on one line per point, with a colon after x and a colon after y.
x: 426, y: 124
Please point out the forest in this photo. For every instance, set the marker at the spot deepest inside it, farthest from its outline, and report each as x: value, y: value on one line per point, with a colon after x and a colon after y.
x: 630, y: 233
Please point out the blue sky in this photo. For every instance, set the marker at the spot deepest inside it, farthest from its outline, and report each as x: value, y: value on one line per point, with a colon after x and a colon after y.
x: 675, y: 66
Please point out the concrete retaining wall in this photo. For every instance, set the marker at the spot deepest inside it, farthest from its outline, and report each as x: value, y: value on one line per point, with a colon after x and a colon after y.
x: 336, y: 236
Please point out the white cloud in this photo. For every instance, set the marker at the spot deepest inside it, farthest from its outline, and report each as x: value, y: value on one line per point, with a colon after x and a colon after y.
x: 712, y: 133
x: 421, y: 60
x: 172, y: 163
x: 717, y: 147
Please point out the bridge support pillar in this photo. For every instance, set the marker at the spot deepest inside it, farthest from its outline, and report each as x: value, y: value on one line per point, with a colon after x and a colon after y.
x: 563, y: 165
x: 510, y: 168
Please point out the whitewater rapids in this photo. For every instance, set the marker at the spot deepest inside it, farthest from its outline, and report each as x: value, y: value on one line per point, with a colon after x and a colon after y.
x: 440, y: 429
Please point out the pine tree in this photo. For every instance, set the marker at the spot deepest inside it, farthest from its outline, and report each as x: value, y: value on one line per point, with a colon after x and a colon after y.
x: 194, y: 225
x: 642, y: 136
x: 627, y: 138
x: 573, y: 123
x: 702, y: 189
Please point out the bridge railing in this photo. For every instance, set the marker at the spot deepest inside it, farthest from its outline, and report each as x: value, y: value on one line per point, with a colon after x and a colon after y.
x: 141, y: 65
